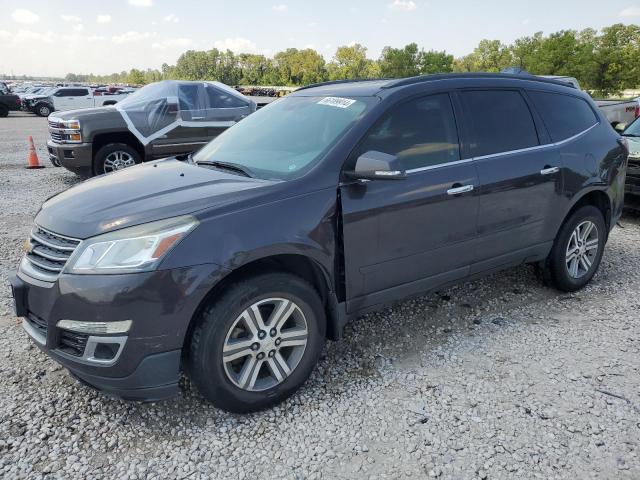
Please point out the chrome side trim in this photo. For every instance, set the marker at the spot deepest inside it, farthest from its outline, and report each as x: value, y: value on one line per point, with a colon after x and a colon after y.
x: 500, y: 154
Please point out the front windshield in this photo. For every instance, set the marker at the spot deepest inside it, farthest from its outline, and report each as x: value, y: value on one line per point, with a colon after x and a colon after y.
x: 286, y: 138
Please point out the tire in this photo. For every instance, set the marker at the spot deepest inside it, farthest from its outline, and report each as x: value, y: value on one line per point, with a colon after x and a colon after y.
x: 115, y: 156
x: 560, y: 272
x: 221, y: 382
x: 42, y: 110
x: 4, y: 111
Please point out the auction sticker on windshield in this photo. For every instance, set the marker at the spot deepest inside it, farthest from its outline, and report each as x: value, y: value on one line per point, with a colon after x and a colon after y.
x: 337, y: 102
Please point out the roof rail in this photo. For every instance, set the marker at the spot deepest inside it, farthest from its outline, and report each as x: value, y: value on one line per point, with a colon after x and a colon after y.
x: 401, y: 82
x: 337, y: 82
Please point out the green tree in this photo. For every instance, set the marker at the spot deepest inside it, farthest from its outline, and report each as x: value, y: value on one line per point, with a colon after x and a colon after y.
x: 136, y: 77
x: 435, y: 62
x: 400, y: 62
x: 349, y: 62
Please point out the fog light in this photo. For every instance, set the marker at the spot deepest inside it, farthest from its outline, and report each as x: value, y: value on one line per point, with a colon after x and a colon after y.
x: 95, y: 328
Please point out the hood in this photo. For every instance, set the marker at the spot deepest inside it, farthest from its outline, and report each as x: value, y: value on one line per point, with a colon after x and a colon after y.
x: 144, y: 193
x: 87, y: 113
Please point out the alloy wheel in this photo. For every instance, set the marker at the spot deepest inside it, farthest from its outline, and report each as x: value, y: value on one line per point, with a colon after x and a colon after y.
x: 265, y: 344
x: 117, y: 161
x: 582, y: 249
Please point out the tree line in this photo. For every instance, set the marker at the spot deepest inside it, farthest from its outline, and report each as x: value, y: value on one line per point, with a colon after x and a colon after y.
x: 606, y: 61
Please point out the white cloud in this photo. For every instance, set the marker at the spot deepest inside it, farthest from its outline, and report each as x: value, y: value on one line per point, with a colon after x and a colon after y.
x: 5, y: 35
x: 78, y: 28
x: 96, y: 38
x: 172, y: 43
x: 24, y: 16
x: 103, y: 18
x: 403, y: 5
x: 70, y: 18
x: 131, y: 36
x: 141, y: 3
x: 171, y: 18
x: 237, y: 45
x: 280, y: 8
x: 630, y: 12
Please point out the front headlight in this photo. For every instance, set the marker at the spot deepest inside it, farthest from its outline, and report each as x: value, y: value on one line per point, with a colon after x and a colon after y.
x: 133, y: 249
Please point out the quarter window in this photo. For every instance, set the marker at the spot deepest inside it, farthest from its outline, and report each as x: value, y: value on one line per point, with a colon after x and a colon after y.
x: 220, y: 99
x: 564, y: 115
x: 500, y: 121
x: 419, y: 132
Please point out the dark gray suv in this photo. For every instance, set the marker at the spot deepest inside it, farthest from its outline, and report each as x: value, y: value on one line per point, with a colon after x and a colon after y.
x: 237, y: 263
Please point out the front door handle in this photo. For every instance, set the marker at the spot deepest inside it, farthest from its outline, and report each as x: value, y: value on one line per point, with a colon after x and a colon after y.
x: 459, y: 190
x: 549, y: 170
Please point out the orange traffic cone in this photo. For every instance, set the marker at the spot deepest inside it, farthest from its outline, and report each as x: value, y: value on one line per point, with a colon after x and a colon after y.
x: 32, y: 158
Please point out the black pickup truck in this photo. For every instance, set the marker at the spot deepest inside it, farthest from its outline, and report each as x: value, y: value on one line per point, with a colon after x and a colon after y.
x: 8, y: 101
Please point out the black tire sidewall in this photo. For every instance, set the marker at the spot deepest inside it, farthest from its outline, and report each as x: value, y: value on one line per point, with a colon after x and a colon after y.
x: 101, y: 155
x: 561, y: 276
x: 205, y: 356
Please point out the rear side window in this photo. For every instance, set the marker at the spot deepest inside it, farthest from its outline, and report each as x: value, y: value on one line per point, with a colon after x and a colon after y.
x: 219, y: 99
x: 419, y: 132
x: 73, y: 92
x: 564, y: 115
x: 500, y: 121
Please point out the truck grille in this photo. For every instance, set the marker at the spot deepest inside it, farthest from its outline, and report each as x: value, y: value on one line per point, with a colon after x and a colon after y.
x: 48, y: 253
x: 56, y: 136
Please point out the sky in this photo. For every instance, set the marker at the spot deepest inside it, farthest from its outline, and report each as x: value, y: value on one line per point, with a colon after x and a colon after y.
x: 52, y: 38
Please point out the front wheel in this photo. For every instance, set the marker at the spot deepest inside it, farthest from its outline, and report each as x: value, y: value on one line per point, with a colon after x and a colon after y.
x: 43, y: 110
x: 577, y: 250
x: 114, y: 157
x: 257, y: 343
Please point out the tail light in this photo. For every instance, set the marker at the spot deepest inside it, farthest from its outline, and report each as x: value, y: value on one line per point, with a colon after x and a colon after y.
x: 18, y: 101
x: 637, y: 112
x: 97, y: 94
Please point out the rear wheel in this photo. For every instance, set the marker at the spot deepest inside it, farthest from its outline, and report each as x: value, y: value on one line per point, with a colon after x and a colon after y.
x: 114, y: 157
x: 4, y: 111
x: 258, y: 343
x: 577, y: 250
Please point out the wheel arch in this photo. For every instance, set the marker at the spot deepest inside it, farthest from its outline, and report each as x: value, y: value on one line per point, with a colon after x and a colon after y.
x: 598, y: 198
x: 299, y: 265
x: 100, y: 140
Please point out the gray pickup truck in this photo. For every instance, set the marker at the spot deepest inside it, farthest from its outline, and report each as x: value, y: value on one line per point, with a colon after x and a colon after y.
x: 160, y: 120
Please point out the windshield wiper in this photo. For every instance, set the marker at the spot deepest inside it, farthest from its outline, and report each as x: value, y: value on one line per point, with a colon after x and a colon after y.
x: 634, y: 135
x: 232, y: 167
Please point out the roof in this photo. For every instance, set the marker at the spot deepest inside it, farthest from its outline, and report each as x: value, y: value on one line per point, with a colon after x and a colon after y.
x: 376, y: 86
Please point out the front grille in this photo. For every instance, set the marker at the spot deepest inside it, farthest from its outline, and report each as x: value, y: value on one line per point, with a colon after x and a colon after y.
x: 49, y: 252
x: 73, y: 343
x: 56, y: 136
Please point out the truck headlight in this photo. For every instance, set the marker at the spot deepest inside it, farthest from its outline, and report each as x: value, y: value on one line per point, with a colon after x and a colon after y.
x: 133, y: 249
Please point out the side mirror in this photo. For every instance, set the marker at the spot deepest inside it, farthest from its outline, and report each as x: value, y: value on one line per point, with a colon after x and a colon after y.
x: 375, y: 165
x: 173, y: 105
x: 620, y: 127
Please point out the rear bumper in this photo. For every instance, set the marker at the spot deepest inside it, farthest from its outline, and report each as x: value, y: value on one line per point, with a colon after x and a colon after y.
x: 77, y: 157
x: 145, y: 361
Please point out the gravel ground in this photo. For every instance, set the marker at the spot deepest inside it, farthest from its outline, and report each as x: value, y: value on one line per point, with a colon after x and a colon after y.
x: 499, y: 378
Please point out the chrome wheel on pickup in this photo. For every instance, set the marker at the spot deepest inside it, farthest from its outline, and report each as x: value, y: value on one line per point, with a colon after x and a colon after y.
x: 114, y: 157
x: 117, y: 161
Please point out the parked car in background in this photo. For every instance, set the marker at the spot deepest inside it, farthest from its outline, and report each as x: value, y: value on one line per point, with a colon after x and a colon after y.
x: 237, y: 263
x: 62, y: 99
x: 160, y: 120
x: 619, y: 112
x: 632, y: 186
x: 8, y: 102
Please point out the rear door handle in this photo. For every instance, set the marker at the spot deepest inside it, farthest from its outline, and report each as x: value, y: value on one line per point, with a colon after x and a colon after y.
x: 549, y: 170
x: 459, y: 190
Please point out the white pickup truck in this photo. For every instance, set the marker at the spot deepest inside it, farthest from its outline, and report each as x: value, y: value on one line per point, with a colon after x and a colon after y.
x: 619, y: 112
x: 73, y: 98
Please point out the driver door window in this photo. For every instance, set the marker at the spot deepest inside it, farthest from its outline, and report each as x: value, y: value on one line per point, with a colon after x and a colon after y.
x: 421, y: 133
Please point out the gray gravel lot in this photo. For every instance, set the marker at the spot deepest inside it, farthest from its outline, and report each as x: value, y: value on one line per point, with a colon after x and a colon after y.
x: 499, y: 378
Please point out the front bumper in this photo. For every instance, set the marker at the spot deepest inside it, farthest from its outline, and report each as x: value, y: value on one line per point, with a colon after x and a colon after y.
x: 146, y: 360
x: 77, y: 157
